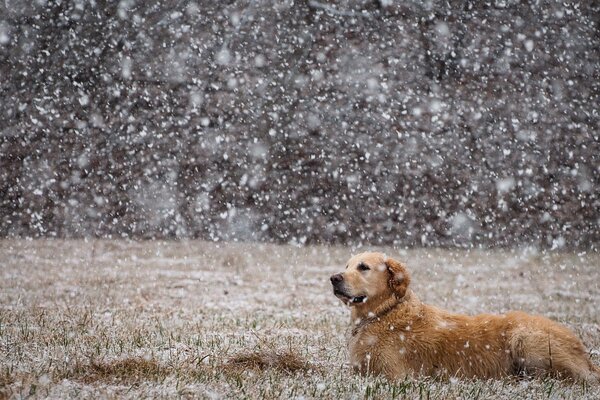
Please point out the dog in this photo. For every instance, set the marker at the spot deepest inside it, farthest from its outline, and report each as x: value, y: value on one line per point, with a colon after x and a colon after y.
x: 396, y: 335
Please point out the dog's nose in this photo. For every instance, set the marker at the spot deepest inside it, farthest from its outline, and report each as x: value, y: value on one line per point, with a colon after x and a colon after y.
x: 337, y: 278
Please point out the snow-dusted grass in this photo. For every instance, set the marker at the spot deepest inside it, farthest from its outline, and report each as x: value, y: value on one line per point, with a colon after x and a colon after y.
x: 196, y: 319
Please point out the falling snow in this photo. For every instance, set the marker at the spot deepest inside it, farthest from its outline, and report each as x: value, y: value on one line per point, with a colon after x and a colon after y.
x: 405, y: 123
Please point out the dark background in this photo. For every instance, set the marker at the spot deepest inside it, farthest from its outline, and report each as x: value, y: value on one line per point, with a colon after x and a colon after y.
x: 407, y: 123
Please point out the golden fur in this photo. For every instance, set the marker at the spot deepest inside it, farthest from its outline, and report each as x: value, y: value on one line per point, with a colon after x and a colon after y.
x: 396, y: 335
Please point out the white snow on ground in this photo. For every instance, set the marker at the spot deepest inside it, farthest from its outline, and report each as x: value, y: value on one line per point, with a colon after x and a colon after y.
x: 190, y: 306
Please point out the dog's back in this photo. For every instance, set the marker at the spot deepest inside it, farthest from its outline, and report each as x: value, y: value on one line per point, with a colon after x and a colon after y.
x: 433, y: 342
x: 421, y: 339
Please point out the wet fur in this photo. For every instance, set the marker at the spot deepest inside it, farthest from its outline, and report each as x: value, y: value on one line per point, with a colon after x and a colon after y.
x: 396, y: 335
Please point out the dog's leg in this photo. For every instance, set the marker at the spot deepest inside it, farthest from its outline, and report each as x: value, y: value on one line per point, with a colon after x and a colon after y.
x: 396, y: 369
x: 575, y: 364
x: 552, y: 350
x: 381, y: 363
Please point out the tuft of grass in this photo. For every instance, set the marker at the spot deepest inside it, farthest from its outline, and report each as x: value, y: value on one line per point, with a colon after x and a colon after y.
x: 126, y: 371
x: 6, y: 379
x: 285, y: 361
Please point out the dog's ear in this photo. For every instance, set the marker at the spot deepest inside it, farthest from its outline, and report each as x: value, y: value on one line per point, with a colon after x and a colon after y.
x: 399, y: 277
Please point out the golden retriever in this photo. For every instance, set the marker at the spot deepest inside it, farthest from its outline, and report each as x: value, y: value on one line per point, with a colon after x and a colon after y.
x: 396, y: 335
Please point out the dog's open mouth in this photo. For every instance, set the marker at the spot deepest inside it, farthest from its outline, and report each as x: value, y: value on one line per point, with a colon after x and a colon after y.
x: 349, y: 299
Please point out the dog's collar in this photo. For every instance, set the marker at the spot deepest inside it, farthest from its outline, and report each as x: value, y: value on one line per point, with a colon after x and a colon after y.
x: 376, y: 317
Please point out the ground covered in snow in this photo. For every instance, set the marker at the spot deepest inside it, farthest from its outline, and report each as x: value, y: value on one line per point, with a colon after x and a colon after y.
x: 91, y: 319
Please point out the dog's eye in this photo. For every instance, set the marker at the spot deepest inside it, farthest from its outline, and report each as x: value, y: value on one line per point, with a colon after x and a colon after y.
x: 363, y: 267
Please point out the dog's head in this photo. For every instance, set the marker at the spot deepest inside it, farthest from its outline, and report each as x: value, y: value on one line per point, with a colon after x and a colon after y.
x: 370, y: 278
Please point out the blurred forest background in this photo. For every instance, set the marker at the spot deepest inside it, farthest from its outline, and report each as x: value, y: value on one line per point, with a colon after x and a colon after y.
x: 429, y: 123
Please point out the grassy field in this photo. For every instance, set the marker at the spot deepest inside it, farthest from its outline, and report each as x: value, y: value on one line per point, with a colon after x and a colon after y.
x: 118, y: 319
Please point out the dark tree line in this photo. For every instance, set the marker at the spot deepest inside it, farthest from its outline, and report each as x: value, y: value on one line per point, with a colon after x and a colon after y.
x: 410, y: 123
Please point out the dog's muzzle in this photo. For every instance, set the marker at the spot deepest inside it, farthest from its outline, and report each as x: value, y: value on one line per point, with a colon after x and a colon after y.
x: 339, y: 291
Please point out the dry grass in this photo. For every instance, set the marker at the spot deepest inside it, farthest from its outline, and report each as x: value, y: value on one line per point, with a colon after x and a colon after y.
x: 128, y: 371
x: 286, y: 361
x: 117, y: 319
x: 135, y: 370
